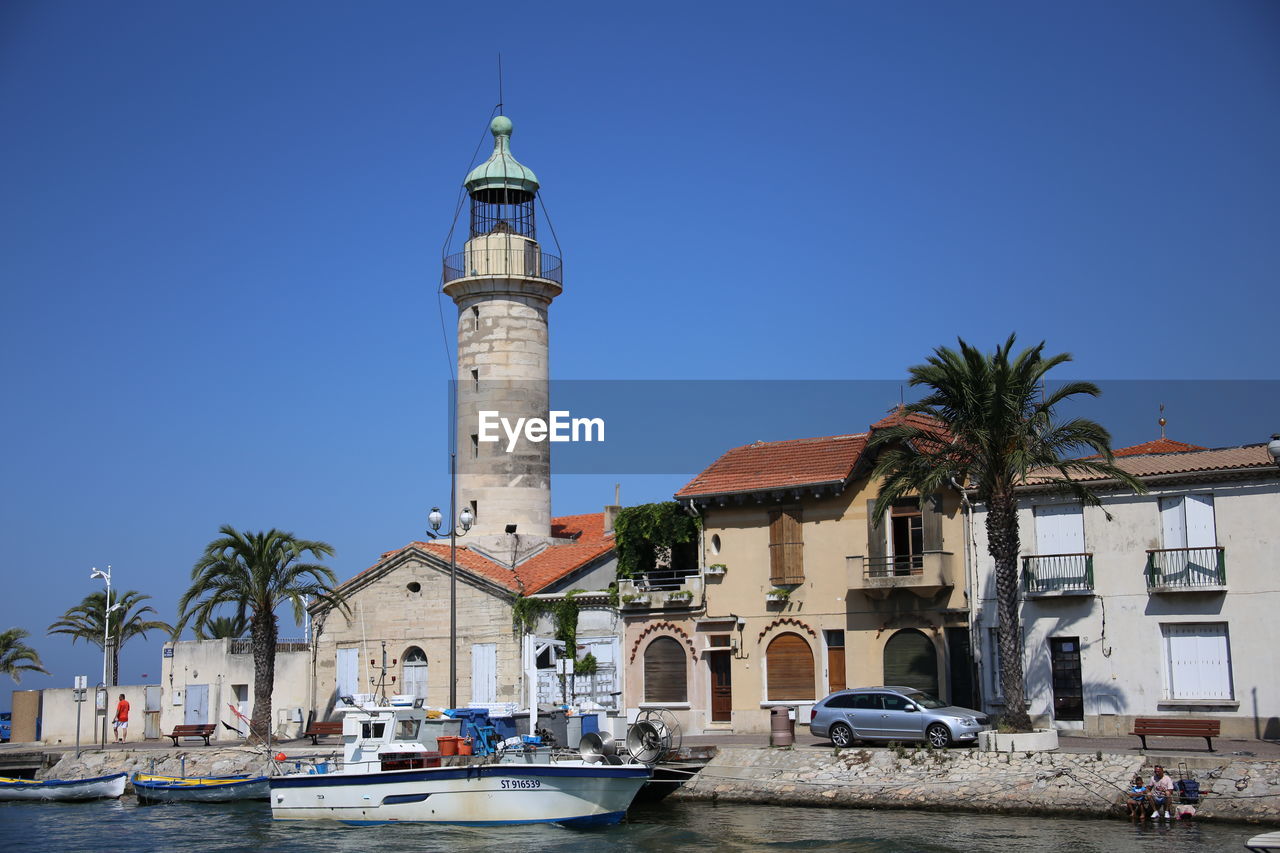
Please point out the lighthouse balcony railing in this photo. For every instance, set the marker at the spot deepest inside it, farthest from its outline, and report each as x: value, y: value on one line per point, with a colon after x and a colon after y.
x: 527, y: 260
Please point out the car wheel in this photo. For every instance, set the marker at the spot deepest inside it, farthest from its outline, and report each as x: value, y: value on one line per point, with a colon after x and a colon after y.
x: 939, y: 736
x: 841, y: 735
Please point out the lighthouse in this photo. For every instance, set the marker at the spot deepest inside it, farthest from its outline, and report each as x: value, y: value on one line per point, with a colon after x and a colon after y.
x: 503, y: 284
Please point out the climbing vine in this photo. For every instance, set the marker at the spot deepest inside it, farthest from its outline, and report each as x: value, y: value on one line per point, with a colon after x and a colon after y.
x: 650, y: 535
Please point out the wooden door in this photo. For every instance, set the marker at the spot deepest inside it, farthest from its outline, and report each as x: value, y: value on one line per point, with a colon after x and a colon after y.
x: 721, y: 665
x: 197, y: 710
x: 835, y: 668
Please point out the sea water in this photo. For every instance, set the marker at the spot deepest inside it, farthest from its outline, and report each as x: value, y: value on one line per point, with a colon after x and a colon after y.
x: 124, y: 825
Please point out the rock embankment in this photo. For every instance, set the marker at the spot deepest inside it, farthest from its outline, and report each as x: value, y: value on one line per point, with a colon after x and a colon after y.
x: 194, y: 762
x: 955, y: 780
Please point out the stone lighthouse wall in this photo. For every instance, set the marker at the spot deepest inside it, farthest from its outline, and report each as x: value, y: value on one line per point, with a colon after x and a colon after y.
x: 502, y: 367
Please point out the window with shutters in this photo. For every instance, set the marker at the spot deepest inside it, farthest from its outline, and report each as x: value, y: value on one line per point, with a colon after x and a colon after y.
x: 786, y: 547
x: 665, y: 678
x: 1197, y: 661
x: 789, y: 661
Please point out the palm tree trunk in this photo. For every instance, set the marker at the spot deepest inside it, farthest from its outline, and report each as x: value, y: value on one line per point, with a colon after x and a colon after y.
x: 1002, y: 544
x: 263, y: 631
x: 114, y: 675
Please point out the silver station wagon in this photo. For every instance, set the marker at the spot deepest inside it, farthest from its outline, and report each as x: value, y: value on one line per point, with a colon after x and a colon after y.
x: 894, y: 713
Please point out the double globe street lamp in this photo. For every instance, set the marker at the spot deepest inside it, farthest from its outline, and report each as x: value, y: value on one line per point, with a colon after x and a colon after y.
x: 464, y: 521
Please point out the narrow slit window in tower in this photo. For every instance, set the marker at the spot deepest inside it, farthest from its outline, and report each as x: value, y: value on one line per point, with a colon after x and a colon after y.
x: 475, y: 446
x: 475, y: 318
x: 475, y: 380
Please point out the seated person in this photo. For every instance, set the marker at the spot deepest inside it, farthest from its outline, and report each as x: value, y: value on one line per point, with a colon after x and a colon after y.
x: 1136, y: 798
x: 1161, y: 792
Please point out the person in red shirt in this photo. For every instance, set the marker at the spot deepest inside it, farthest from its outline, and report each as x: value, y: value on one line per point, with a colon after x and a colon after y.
x: 122, y: 719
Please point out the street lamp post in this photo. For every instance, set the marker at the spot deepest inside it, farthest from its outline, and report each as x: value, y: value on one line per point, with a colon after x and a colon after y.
x: 106, y: 622
x: 463, y: 520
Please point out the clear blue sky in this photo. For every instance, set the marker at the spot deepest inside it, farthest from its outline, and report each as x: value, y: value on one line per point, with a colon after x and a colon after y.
x: 220, y: 230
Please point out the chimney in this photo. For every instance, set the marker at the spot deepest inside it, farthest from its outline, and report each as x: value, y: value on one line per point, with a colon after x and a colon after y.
x: 611, y: 510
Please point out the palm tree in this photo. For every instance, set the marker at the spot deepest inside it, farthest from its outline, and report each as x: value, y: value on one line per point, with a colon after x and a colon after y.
x: 990, y: 425
x: 222, y: 627
x: 128, y: 620
x: 16, y: 657
x: 257, y: 572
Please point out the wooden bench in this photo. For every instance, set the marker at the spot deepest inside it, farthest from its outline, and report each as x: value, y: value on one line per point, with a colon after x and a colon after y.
x: 320, y: 728
x: 1176, y: 727
x: 202, y: 730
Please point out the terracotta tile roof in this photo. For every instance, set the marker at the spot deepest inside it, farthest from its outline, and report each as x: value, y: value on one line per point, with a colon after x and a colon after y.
x: 585, y: 542
x: 1160, y: 445
x: 1250, y: 456
x: 779, y: 465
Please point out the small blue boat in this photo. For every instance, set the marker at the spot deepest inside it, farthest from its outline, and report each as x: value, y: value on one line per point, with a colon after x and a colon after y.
x: 150, y: 787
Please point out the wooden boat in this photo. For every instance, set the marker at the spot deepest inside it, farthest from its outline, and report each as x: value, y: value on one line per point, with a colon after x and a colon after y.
x: 155, y: 788
x: 96, y: 788
x: 388, y: 774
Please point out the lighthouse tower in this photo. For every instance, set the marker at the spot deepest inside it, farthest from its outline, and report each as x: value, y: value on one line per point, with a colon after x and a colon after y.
x: 503, y: 284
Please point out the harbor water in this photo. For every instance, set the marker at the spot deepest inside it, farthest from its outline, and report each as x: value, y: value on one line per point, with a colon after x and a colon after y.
x: 113, y: 825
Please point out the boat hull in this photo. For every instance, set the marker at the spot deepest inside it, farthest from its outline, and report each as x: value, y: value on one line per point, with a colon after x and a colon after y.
x: 201, y: 789
x: 475, y: 795
x: 64, y: 790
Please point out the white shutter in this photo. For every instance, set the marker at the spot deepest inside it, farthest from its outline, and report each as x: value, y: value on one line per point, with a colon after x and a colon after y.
x: 484, y: 673
x: 1173, y: 520
x: 1059, y: 529
x: 1199, y: 519
x: 1199, y: 661
x: 348, y: 671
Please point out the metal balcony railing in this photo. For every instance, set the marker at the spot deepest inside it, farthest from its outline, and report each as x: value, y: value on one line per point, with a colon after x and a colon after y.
x: 244, y: 646
x: 527, y: 261
x: 1186, y: 568
x: 1057, y: 573
x: 901, y: 566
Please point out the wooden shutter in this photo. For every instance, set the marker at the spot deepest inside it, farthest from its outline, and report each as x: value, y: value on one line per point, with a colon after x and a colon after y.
x: 786, y: 547
x: 877, y: 536
x: 911, y: 661
x: 664, y: 671
x: 931, y: 522
x: 790, y: 663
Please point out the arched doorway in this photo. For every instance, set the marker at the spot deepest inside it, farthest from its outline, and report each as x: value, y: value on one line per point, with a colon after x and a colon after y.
x: 790, y: 668
x: 910, y: 660
x: 414, y: 673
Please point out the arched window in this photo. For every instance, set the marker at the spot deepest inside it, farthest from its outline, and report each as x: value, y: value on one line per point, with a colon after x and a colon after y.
x: 790, y: 665
x: 910, y: 660
x: 414, y: 676
x: 664, y: 671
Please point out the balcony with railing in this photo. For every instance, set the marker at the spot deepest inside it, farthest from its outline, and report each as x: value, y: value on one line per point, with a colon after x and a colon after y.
x: 924, y: 574
x: 1187, y: 569
x: 663, y: 589
x: 526, y: 260
x: 1057, y: 575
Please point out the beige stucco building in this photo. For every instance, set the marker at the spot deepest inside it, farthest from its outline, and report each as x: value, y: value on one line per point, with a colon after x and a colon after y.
x: 797, y: 593
x: 1148, y: 605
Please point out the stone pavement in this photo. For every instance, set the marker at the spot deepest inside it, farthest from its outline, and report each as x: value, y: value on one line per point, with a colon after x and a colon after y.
x: 1169, y: 750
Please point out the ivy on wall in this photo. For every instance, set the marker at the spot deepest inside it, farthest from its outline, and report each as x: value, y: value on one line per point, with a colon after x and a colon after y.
x: 652, y: 535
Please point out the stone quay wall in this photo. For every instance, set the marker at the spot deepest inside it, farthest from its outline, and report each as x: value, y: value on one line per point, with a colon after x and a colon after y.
x: 1233, y: 788
x: 206, y: 761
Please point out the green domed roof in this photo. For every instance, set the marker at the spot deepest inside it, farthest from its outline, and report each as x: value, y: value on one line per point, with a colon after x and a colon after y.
x: 501, y: 170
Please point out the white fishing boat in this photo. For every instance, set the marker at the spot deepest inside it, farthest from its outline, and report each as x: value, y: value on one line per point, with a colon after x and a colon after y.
x: 388, y: 774
x: 96, y: 788
x: 155, y: 788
